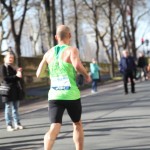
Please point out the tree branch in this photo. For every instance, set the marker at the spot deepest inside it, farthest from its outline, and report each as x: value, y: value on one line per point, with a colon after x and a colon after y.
x: 4, y: 4
x: 88, y: 5
x: 139, y: 17
x: 23, y: 17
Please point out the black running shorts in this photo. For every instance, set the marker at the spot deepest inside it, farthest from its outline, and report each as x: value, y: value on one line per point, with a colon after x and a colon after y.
x: 57, y: 108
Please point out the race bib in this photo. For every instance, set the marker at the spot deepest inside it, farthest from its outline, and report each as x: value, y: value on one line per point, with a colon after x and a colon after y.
x: 60, y: 83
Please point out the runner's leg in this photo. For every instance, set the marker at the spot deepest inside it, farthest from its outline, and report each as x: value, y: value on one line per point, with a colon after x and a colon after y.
x: 74, y: 110
x: 78, y: 135
x: 51, y: 136
x: 56, y: 110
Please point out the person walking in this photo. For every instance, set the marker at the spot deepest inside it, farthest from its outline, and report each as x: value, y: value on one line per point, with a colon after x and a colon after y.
x: 94, y: 71
x: 127, y: 67
x: 63, y: 62
x: 11, y: 77
x: 142, y: 64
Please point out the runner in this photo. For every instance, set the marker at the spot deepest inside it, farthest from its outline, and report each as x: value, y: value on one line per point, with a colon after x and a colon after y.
x: 63, y: 62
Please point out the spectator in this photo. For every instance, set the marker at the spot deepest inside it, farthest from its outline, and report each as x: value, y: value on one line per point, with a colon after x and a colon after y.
x: 95, y: 75
x: 142, y: 64
x: 12, y: 78
x: 127, y: 67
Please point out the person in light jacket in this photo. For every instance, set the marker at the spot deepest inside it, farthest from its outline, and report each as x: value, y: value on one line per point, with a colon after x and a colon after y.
x: 94, y: 70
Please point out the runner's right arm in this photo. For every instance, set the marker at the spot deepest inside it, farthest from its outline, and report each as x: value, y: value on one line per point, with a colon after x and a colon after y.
x: 42, y: 69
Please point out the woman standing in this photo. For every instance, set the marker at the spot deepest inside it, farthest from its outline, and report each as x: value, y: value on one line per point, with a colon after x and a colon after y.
x: 94, y: 69
x: 12, y: 78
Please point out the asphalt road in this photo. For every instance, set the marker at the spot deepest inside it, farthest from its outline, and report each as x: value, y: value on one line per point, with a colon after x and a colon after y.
x: 111, y: 121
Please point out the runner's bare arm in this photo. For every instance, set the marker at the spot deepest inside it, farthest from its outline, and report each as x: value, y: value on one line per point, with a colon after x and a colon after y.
x: 76, y: 62
x: 42, y: 69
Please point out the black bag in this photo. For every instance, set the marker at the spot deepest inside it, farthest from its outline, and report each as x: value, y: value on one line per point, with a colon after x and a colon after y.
x: 99, y: 79
x: 4, y: 89
x: 80, y: 80
x: 21, y: 90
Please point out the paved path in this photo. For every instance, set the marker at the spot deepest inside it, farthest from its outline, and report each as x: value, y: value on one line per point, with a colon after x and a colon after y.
x: 111, y: 120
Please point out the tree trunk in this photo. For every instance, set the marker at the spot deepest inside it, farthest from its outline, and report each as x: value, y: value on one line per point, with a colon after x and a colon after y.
x: 76, y: 24
x: 111, y: 39
x: 95, y: 18
x: 132, y: 29
x: 104, y: 45
x: 18, y: 52
x: 48, y: 16
x: 54, y: 22
x: 123, y: 9
x: 96, y: 33
x: 62, y: 11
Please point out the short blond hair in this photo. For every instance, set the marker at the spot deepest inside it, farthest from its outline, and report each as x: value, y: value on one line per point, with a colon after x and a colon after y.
x: 63, y: 31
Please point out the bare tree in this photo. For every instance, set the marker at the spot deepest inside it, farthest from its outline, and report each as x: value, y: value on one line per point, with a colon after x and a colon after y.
x: 3, y: 34
x: 17, y: 36
x: 130, y: 22
x: 108, y: 11
x: 93, y: 8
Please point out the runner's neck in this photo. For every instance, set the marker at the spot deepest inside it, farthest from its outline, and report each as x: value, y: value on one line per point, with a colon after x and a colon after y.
x: 63, y: 42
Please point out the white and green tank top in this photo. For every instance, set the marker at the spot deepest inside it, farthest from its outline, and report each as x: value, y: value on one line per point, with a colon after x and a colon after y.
x: 63, y: 77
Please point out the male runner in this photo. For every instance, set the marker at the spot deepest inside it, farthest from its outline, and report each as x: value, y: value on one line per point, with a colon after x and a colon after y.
x: 63, y: 62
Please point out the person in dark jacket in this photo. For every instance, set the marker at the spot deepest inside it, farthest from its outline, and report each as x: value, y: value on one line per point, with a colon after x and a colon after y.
x: 127, y: 67
x: 12, y: 78
x: 142, y: 64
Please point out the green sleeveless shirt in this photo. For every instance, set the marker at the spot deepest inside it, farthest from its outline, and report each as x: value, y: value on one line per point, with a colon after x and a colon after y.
x: 63, y: 77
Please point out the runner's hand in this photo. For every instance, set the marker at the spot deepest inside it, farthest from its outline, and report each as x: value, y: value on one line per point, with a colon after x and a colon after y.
x: 88, y: 79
